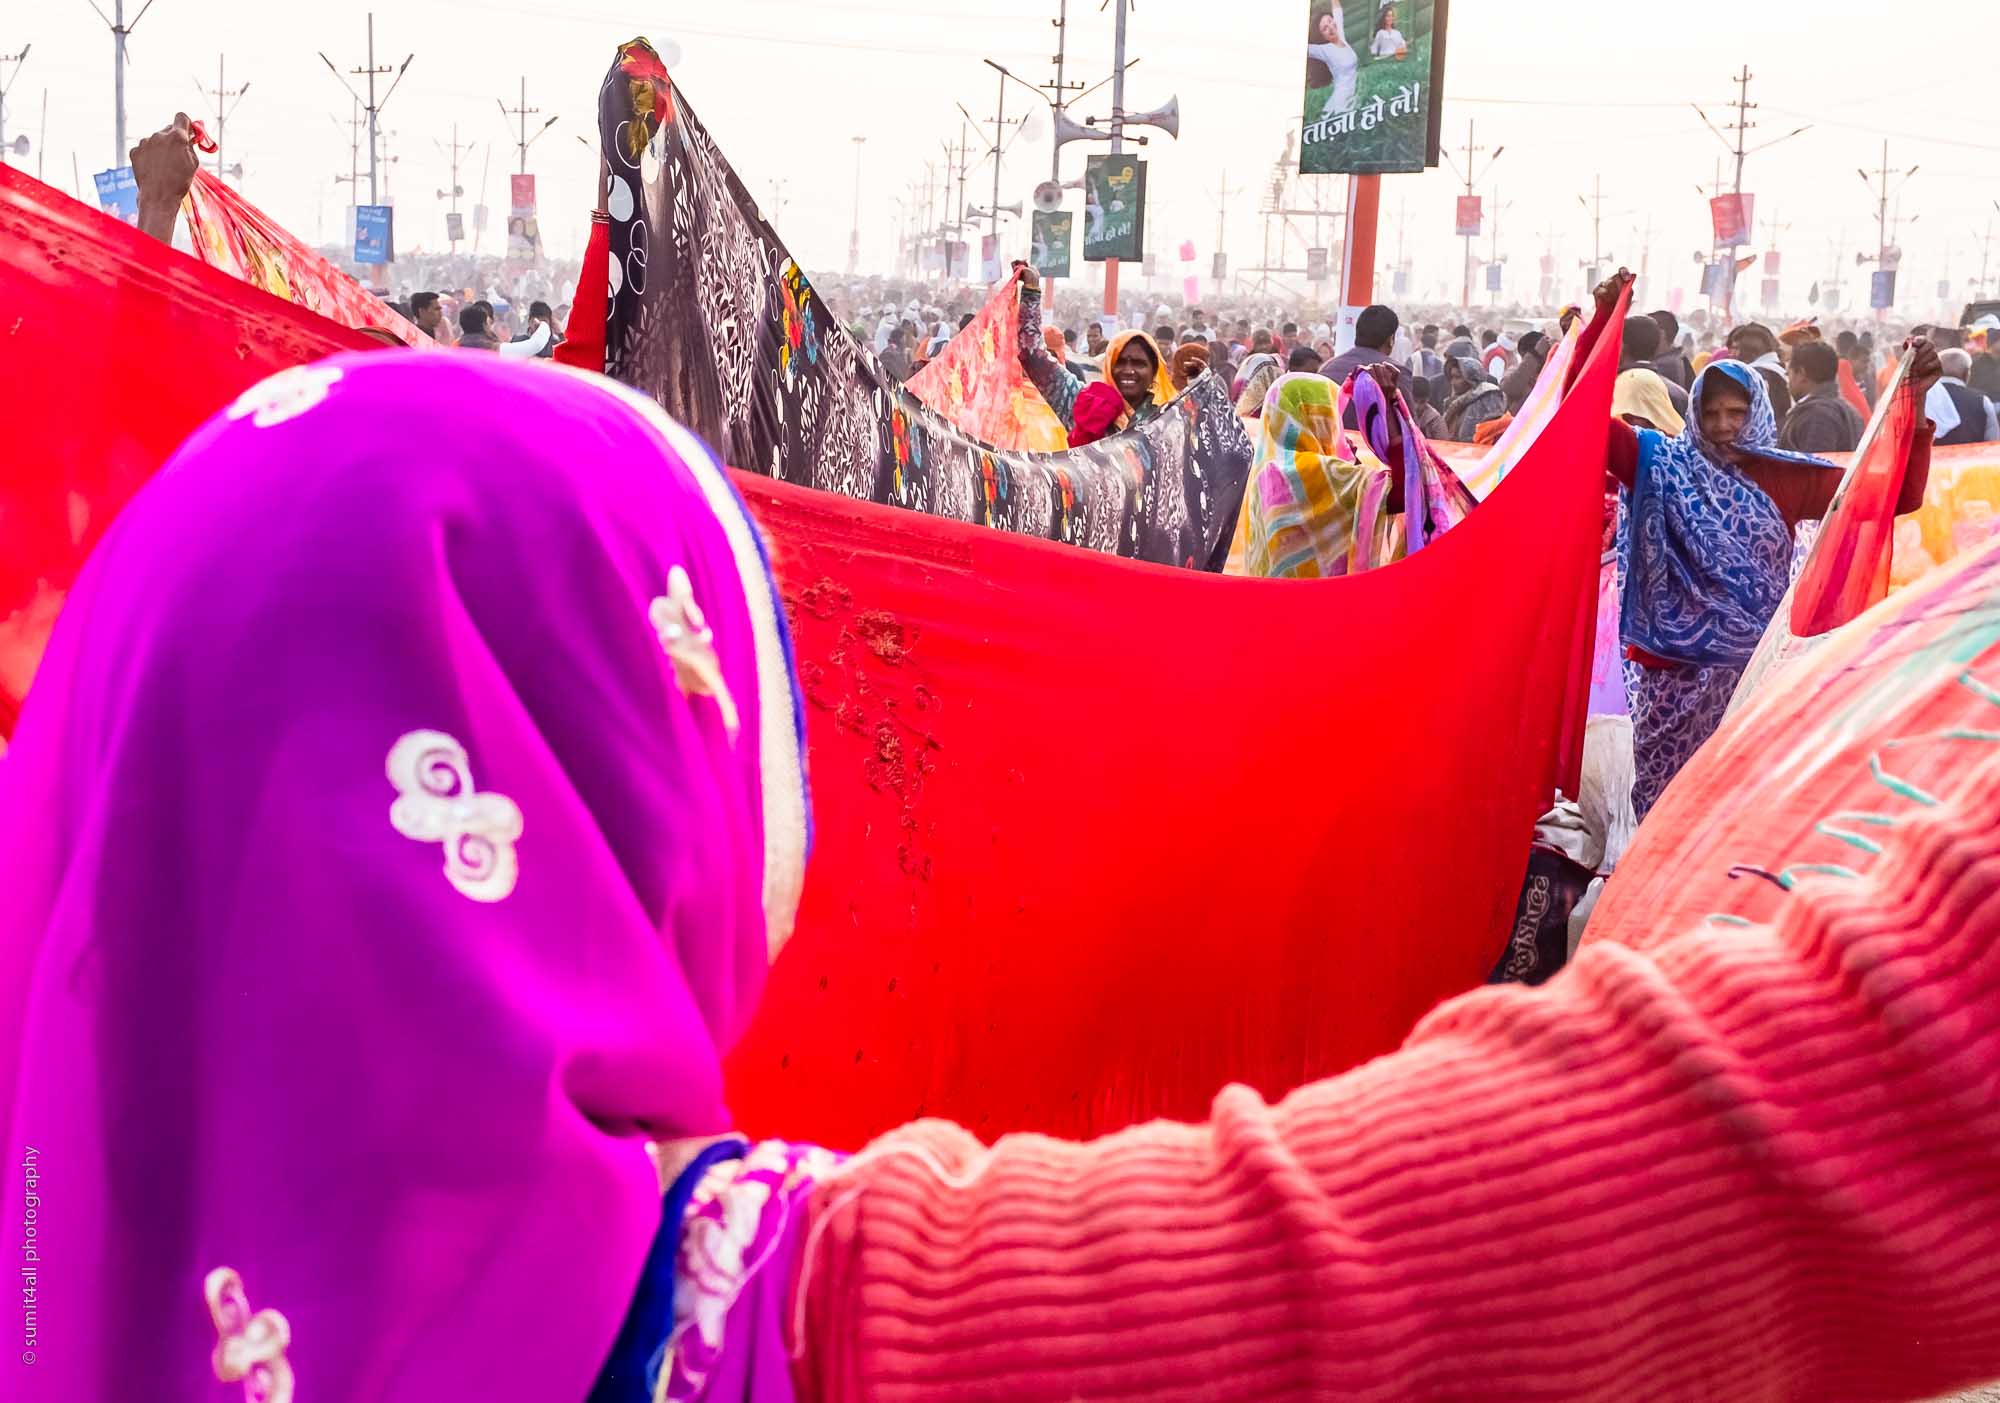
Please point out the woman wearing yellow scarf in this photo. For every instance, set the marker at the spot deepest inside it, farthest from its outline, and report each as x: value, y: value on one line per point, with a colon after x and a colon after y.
x: 1324, y: 502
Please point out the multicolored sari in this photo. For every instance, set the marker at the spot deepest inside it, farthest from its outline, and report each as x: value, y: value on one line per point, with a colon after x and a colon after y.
x: 1317, y: 506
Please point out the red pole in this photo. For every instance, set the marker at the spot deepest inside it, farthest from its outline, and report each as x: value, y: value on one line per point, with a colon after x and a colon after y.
x: 1110, y: 287
x: 1364, y: 208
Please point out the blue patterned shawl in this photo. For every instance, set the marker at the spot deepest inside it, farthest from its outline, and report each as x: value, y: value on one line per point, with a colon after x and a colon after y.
x: 1705, y: 553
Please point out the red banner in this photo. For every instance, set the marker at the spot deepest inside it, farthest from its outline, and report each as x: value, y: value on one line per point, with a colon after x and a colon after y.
x: 1468, y: 216
x: 1731, y: 216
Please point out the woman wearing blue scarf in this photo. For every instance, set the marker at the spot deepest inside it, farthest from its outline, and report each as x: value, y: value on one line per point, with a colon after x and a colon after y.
x: 1705, y: 550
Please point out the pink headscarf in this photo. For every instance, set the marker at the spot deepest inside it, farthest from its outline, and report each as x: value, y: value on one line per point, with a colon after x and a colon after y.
x: 392, y: 846
x: 1096, y: 413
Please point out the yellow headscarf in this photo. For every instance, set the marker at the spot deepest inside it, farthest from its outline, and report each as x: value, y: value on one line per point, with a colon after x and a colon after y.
x: 1303, y: 510
x: 1163, y: 385
x: 1644, y: 393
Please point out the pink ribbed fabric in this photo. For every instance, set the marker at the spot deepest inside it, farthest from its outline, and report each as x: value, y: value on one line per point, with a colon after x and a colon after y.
x: 1736, y: 1164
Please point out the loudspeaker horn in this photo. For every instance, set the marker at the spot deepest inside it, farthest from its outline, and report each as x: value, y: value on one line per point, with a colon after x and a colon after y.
x: 1068, y: 130
x: 1167, y: 119
x: 1048, y: 196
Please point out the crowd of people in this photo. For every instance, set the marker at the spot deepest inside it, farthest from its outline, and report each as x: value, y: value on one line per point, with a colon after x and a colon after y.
x: 448, y: 875
x: 1468, y: 373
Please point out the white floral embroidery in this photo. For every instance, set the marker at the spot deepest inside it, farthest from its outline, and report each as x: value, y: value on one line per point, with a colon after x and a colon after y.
x: 250, y: 1348
x: 286, y: 395
x: 437, y: 803
x: 690, y: 646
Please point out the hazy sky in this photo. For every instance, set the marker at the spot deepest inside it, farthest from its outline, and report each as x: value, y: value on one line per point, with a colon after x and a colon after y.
x: 1574, y: 89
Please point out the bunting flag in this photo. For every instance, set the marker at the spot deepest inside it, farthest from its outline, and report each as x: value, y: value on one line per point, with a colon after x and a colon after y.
x: 234, y: 235
x: 711, y: 317
x: 976, y: 383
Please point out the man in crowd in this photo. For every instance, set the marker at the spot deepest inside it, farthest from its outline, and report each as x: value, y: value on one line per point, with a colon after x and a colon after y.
x: 1374, y: 341
x: 1640, y: 350
x: 1977, y: 421
x: 1756, y: 345
x: 1518, y: 382
x: 1302, y: 358
x: 428, y: 313
x: 1672, y: 363
x: 1985, y: 376
x: 538, y: 338
x: 1094, y: 341
x: 1427, y: 364
x: 896, y: 358
x: 474, y: 328
x: 1821, y: 421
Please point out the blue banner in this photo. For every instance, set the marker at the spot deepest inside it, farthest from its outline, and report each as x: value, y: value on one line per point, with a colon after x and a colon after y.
x: 118, y: 193
x: 374, y: 234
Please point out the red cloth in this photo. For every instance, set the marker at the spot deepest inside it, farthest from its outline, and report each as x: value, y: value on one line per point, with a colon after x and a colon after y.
x: 1849, y: 566
x: 1096, y: 838
x: 115, y: 348
x: 1710, y: 1161
x: 583, y: 338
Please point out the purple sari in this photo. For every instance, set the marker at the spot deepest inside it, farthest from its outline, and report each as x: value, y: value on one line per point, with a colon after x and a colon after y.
x: 406, y: 810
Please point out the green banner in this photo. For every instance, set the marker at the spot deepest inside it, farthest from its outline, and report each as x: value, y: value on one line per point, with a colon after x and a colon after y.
x: 1114, y: 208
x: 1370, y: 85
x: 1051, y: 242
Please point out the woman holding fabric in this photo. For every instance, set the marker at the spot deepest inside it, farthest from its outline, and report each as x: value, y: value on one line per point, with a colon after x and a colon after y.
x: 1705, y: 549
x: 364, y: 1014
x: 1471, y: 398
x: 1324, y: 501
x: 1132, y: 364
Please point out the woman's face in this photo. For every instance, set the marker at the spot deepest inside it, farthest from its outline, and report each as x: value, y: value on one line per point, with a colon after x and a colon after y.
x: 1454, y: 378
x: 1327, y: 31
x: 1388, y: 20
x: 1725, y: 409
x: 1133, y: 374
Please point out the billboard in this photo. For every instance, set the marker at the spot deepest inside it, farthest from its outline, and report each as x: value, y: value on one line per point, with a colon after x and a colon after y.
x: 1373, y: 84
x: 454, y: 226
x: 1493, y: 276
x: 1049, y: 242
x: 374, y: 234
x: 1882, y: 288
x: 1114, y: 208
x: 1468, y: 216
x: 1731, y: 215
x: 1316, y: 265
x: 118, y: 193
x: 524, y: 230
